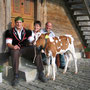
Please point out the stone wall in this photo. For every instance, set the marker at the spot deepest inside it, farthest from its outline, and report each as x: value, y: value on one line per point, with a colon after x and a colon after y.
x: 2, y: 23
x: 5, y: 21
x: 61, y: 23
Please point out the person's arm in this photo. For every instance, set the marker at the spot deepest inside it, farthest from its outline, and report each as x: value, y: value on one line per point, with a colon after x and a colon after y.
x: 52, y: 34
x: 8, y: 36
x: 12, y: 46
x: 32, y: 39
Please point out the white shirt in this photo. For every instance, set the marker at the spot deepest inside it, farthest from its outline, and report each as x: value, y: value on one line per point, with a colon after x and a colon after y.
x: 19, y: 33
x: 34, y: 36
x: 43, y: 31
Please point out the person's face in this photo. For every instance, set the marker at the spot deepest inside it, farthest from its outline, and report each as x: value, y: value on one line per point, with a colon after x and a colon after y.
x: 37, y: 27
x: 18, y: 24
x: 48, y: 27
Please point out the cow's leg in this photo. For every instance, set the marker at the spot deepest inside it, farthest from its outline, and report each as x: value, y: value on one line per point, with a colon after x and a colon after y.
x: 76, y: 70
x: 48, y: 66
x: 75, y: 60
x: 53, y: 68
x: 67, y: 61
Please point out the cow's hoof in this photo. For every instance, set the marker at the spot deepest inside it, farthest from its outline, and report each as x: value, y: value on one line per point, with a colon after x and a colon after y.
x: 53, y: 79
x: 47, y: 75
x: 64, y: 72
x: 75, y: 72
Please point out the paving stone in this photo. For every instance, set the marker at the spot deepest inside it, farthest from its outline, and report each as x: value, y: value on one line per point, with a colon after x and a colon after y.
x: 68, y: 81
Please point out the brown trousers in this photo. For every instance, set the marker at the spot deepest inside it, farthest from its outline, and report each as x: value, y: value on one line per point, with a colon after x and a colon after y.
x: 28, y: 53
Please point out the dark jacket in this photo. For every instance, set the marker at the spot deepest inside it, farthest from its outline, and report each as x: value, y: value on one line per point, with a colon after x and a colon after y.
x: 12, y: 34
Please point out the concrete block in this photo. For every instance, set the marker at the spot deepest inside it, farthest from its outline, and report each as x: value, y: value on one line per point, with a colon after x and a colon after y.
x: 29, y: 74
x: 27, y: 70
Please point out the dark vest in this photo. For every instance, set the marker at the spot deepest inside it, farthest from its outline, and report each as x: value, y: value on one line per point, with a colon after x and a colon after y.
x: 12, y: 34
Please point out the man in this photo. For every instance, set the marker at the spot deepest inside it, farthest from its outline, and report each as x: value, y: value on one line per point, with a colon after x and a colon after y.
x: 17, y: 41
x: 48, y: 28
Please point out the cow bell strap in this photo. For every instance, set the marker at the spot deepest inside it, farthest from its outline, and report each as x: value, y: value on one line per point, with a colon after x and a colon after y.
x: 35, y: 54
x: 45, y: 44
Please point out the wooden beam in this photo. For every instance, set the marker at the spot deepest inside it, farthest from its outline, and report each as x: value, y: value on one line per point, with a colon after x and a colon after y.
x: 38, y: 10
x: 8, y: 14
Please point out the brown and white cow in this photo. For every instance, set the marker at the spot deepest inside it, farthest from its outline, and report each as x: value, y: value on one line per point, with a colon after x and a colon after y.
x: 57, y: 45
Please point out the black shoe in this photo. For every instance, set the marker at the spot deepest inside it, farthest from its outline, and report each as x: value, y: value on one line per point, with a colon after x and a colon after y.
x: 42, y: 77
x: 15, y: 82
x: 44, y: 63
x: 62, y: 67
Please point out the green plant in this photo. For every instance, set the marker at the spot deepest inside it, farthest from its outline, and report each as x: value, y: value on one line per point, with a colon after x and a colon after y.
x: 1, y: 68
x: 87, y: 49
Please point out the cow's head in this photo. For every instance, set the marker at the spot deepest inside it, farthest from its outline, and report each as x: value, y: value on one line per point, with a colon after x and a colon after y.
x: 40, y: 43
x: 36, y: 37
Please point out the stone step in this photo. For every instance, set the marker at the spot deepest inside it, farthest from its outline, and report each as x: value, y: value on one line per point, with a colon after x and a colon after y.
x: 28, y: 71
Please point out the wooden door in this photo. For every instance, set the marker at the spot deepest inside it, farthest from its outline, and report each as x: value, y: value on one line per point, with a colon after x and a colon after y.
x: 25, y: 9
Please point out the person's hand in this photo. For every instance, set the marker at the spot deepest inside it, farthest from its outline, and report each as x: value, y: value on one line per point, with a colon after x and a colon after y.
x: 16, y: 47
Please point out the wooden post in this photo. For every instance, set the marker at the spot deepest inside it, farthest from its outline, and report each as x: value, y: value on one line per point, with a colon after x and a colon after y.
x: 8, y: 14
x: 2, y: 23
x: 38, y: 10
x: 45, y: 13
x: 42, y: 12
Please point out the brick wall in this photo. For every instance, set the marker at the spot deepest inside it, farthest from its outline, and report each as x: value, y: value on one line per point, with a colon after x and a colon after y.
x: 61, y: 23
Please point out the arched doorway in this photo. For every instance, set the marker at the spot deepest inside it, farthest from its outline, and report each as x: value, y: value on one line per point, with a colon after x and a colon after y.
x: 25, y: 9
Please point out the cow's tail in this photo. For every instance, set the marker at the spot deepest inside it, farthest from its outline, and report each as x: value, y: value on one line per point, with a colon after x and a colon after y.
x: 71, y: 39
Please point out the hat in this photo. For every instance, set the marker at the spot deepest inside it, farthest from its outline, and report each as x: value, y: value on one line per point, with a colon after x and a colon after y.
x: 19, y: 18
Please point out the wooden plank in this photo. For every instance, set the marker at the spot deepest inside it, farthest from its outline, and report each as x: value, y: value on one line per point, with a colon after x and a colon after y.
x: 78, y: 9
x: 84, y: 25
x: 82, y: 14
x: 87, y: 37
x: 74, y: 3
x: 84, y: 30
x: 83, y: 20
x: 86, y: 33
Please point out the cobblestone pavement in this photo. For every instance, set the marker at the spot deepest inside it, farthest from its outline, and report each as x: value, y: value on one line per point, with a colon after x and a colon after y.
x: 68, y: 81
